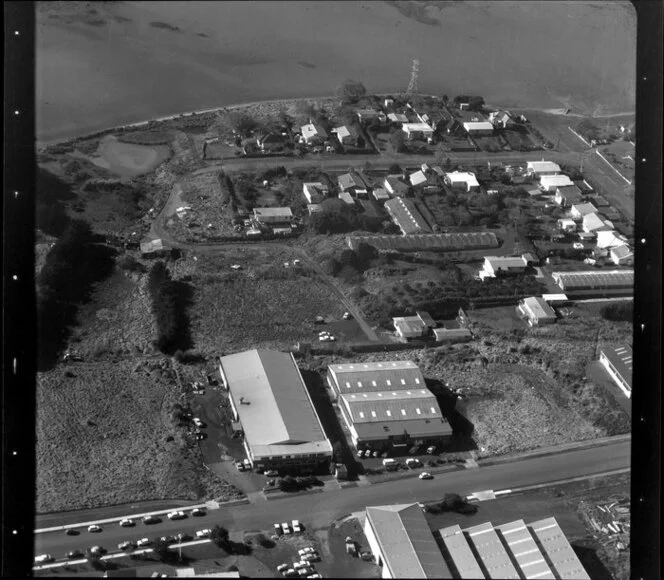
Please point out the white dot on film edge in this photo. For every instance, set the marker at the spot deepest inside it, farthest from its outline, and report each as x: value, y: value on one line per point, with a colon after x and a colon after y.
x: 14, y: 277
x: 16, y: 33
x: 643, y: 240
x: 13, y: 452
x: 16, y: 112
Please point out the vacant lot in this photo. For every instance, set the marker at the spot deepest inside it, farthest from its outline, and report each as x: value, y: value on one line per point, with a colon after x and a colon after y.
x: 520, y: 141
x: 105, y: 436
x: 262, y: 305
x: 490, y: 143
x: 621, y: 155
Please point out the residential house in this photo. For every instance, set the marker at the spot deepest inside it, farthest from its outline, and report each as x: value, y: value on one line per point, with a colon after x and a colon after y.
x: 417, y: 326
x: 417, y: 131
x: 153, y: 248
x: 437, y: 120
x: 313, y: 208
x: 610, y: 239
x: 451, y: 335
x: 537, y: 311
x: 315, y: 192
x: 273, y: 215
x: 462, y: 180
x: 567, y: 225
x: 348, y: 135
x: 353, y: 183
x: 397, y: 118
x: 395, y: 185
x: 622, y: 255
x: 478, y: 128
x: 418, y: 179
x: 584, y: 186
x: 592, y: 222
x: 501, y: 119
x: 550, y: 183
x: 271, y: 142
x: 540, y: 168
x: 346, y: 197
x: 380, y: 194
x: 568, y: 195
x: 368, y: 115
x: 406, y: 216
x: 313, y: 134
x: 501, y: 266
x: 582, y: 209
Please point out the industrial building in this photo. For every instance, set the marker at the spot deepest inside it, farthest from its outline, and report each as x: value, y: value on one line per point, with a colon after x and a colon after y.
x: 599, y: 281
x: 402, y: 542
x: 463, y: 180
x: 414, y: 242
x: 619, y: 364
x: 449, y: 335
x: 549, y: 183
x: 405, y: 547
x: 502, y: 266
x: 271, y: 403
x: 413, y: 326
x: 387, y: 405
x: 537, y: 311
x: 540, y: 168
x: 273, y: 215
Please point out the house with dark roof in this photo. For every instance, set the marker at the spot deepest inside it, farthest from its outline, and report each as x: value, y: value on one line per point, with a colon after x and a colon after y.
x: 568, y: 195
x: 353, y: 183
x: 271, y: 142
x: 347, y: 135
x: 537, y: 311
x: 409, y: 327
x: 395, y: 185
x: 280, y: 425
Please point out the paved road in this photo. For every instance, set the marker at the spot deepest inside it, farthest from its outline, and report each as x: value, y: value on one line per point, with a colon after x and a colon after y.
x: 318, y: 510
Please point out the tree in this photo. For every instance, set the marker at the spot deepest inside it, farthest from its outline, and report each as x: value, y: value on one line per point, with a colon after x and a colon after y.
x: 219, y: 536
x: 445, y: 99
x: 338, y: 451
x: 398, y: 141
x: 242, y: 123
x: 162, y: 551
x: 351, y: 91
x: 394, y: 168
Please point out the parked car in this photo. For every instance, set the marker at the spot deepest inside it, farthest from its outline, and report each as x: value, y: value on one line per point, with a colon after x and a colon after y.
x: 347, y: 316
x: 198, y: 512
x: 143, y: 542
x: 315, y: 575
x: 311, y: 557
x: 366, y: 556
x: 285, y: 528
x: 290, y: 573
x: 282, y: 567
x: 177, y: 515
x: 72, y: 532
x: 151, y: 520
x: 431, y: 450
x: 182, y: 537
x: 43, y: 558
x: 307, y: 550
x: 94, y: 528
x: 169, y: 539
x: 97, y: 550
x: 126, y: 523
x: 272, y: 473
x: 203, y: 533
x: 305, y: 571
x: 296, y: 526
x: 239, y: 465
x: 198, y: 422
x: 278, y: 530
x: 125, y: 545
x: 375, y: 454
x: 75, y: 554
x: 425, y: 475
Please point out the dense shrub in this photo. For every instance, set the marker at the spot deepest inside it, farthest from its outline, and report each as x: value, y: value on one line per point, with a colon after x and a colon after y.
x: 618, y: 311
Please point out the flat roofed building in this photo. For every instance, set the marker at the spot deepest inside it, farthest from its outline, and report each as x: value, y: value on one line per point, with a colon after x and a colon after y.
x: 315, y: 192
x: 465, y: 565
x: 462, y: 179
x: 273, y: 214
x: 524, y: 550
x: 418, y: 178
x: 610, y: 239
x: 549, y: 183
x: 397, y: 118
x: 402, y: 542
x: 567, y: 225
x: 352, y: 182
x: 413, y: 242
x: 561, y: 557
x: 406, y: 216
x: 555, y: 299
x: 537, y: 311
x: 594, y: 280
x: 492, y: 554
x: 347, y: 134
x: 380, y: 194
x: 409, y: 326
x: 568, y: 195
x: 366, y: 115
x: 622, y: 255
x: 539, y: 168
x: 346, y: 197
x: 268, y: 396
x: 619, y: 364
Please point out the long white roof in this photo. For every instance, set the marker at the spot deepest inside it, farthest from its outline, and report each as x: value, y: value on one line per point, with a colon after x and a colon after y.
x: 555, y: 181
x: 539, y: 166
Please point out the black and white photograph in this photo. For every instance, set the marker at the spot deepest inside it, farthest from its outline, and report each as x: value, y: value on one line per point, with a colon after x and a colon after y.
x: 334, y: 289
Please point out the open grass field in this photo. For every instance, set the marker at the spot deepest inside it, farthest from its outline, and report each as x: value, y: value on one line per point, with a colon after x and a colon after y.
x: 105, y: 436
x: 264, y: 305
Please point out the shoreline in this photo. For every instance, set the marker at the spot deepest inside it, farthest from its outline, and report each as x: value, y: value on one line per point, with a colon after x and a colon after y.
x: 57, y: 141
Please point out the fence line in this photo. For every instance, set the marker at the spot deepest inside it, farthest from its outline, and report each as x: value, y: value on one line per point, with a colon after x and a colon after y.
x: 612, y: 167
x: 579, y: 136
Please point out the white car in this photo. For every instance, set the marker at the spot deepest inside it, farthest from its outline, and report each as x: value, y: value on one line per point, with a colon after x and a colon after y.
x: 282, y: 567
x: 347, y: 316
x: 143, y: 542
x: 325, y: 338
x: 332, y: 338
x: 271, y: 473
x: 43, y: 558
x: 126, y: 523
x: 94, y: 528
x: 285, y: 527
x: 197, y: 422
x: 177, y: 515
x: 316, y: 575
x: 311, y: 558
x: 203, y: 533
x: 296, y: 526
x: 425, y: 475
x: 307, y: 550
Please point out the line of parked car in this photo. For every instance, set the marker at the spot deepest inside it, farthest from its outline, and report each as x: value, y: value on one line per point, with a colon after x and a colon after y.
x: 129, y: 545
x: 284, y: 529
x: 303, y: 567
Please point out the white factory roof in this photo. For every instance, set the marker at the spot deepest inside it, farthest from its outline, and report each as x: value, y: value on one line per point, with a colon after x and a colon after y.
x: 478, y: 126
x: 549, y: 181
x: 540, y: 166
x: 417, y: 127
x: 463, y: 177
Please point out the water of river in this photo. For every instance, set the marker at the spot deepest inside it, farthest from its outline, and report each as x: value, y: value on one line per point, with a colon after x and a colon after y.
x: 105, y: 64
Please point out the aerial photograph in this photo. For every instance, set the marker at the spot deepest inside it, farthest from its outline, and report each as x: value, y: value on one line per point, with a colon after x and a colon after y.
x: 334, y: 289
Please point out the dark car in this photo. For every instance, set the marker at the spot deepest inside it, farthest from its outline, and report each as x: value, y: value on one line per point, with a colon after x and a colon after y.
x: 151, y: 520
x: 72, y: 532
x: 75, y: 554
